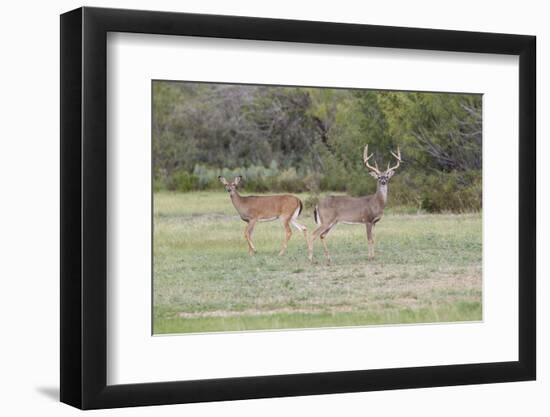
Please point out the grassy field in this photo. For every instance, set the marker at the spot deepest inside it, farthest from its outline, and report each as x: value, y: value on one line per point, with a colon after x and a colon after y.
x: 427, y: 268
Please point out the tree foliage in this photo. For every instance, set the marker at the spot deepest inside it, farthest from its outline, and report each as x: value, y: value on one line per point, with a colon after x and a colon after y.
x: 298, y: 139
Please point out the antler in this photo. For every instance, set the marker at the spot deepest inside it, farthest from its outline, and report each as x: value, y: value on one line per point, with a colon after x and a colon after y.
x: 398, y: 157
x: 366, y: 158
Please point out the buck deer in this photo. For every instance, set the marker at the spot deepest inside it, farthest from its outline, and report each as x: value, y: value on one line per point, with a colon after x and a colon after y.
x: 366, y: 210
x: 253, y: 209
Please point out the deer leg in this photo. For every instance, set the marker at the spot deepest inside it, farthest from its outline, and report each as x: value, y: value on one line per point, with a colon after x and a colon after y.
x: 370, y: 239
x: 314, y: 236
x: 300, y: 227
x: 321, y: 231
x: 248, y: 236
x: 323, y: 236
x: 288, y: 235
x: 325, y: 247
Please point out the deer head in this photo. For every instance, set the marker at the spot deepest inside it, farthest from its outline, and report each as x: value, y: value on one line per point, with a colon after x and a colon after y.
x: 383, y: 177
x: 230, y: 187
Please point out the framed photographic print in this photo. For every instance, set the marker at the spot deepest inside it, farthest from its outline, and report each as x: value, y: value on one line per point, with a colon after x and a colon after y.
x: 258, y: 207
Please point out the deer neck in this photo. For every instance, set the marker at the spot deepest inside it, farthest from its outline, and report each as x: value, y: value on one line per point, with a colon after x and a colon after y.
x: 237, y: 201
x: 382, y: 193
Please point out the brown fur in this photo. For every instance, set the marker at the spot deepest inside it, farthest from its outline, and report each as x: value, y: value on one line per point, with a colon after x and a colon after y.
x: 264, y: 207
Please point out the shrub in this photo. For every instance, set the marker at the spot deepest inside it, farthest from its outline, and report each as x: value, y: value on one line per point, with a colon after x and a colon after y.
x: 183, y: 181
x: 405, y: 190
x: 312, y: 182
x: 159, y: 184
x: 255, y: 177
x: 290, y: 181
x: 433, y: 192
x: 311, y: 201
x: 258, y: 185
x: 361, y: 184
x: 454, y: 191
x: 334, y: 180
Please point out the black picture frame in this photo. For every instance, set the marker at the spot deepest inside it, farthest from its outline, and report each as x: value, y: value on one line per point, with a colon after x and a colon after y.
x: 84, y: 207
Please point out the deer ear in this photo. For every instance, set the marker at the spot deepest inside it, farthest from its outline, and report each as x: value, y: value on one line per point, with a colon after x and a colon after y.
x: 222, y: 180
x: 390, y: 173
x: 237, y: 179
x: 374, y: 174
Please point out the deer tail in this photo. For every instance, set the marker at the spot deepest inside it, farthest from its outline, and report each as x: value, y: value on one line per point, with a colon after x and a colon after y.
x: 316, y: 215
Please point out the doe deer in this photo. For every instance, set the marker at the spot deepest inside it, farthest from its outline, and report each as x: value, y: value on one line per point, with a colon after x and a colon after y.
x: 366, y: 210
x: 253, y: 209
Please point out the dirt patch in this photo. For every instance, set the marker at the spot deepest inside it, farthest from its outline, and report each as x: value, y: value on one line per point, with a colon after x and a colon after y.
x: 254, y: 312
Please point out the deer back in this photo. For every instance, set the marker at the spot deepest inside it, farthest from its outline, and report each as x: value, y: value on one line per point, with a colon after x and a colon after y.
x: 266, y: 207
x: 335, y: 209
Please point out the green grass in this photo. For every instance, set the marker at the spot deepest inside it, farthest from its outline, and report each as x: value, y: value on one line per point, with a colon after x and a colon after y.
x: 427, y: 269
